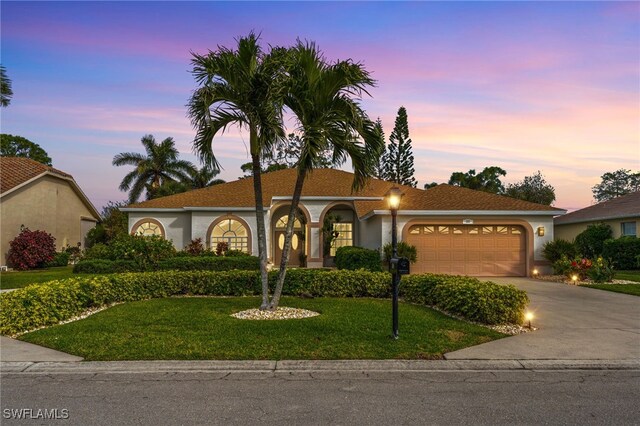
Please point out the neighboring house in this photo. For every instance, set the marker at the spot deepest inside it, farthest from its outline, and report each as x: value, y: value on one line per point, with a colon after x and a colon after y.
x: 456, y: 230
x: 39, y: 197
x: 621, y: 213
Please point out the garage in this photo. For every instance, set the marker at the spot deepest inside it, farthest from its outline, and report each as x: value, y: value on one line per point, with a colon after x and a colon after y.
x: 480, y: 250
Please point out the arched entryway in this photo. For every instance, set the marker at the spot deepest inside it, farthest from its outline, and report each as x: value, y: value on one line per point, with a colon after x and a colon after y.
x: 338, y: 229
x: 299, y: 251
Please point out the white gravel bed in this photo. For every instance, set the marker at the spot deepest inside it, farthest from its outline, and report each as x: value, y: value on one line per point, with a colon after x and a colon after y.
x: 281, y: 313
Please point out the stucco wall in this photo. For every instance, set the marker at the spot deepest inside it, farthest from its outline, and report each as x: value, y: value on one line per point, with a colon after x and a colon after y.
x: 370, y: 233
x: 177, y: 226
x: 48, y: 204
x: 570, y: 231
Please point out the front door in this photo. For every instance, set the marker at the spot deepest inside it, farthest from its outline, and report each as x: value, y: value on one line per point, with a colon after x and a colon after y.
x: 296, y: 248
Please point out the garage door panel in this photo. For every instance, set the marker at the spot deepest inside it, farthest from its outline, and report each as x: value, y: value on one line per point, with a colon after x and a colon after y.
x: 487, y: 250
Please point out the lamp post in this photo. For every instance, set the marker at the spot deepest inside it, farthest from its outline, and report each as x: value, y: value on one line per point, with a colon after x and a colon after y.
x: 393, y: 196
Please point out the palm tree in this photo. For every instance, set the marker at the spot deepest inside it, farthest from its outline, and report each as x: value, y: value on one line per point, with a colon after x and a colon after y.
x: 5, y: 88
x: 321, y: 95
x: 202, y: 178
x: 240, y: 88
x: 160, y: 165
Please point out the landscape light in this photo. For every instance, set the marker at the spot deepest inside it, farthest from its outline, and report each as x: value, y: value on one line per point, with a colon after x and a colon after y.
x: 574, y: 278
x: 528, y: 316
x: 535, y: 272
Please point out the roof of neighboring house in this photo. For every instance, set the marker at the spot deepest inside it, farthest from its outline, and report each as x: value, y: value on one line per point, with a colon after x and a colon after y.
x: 620, y: 207
x: 337, y: 183
x: 16, y: 172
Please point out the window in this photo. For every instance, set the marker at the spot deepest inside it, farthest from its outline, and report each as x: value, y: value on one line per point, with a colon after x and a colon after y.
x: 628, y: 229
x: 344, y: 238
x: 148, y: 228
x: 282, y: 223
x: 233, y: 232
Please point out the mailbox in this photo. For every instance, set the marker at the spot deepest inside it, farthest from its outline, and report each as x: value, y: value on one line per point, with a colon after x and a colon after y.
x: 400, y: 265
x: 403, y: 266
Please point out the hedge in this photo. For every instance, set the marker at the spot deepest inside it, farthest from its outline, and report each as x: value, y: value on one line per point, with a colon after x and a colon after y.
x: 354, y: 258
x: 203, y: 263
x: 623, y: 252
x: 49, y: 303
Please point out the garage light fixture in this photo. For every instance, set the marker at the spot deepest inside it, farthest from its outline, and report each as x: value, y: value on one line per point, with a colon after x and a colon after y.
x: 541, y: 231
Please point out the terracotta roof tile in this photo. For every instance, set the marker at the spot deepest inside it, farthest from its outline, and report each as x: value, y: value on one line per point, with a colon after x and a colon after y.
x: 624, y: 206
x: 337, y: 183
x: 15, y: 171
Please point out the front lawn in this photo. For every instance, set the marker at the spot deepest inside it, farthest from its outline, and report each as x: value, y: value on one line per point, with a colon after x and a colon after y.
x: 628, y: 275
x: 201, y: 328
x: 618, y: 288
x: 19, y: 279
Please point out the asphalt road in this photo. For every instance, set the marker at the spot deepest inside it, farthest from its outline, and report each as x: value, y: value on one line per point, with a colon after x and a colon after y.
x: 456, y: 397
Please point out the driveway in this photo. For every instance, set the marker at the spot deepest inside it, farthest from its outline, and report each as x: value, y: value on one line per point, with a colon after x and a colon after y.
x: 574, y: 323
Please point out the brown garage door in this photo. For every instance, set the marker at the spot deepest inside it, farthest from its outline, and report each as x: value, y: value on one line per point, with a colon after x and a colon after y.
x: 491, y: 250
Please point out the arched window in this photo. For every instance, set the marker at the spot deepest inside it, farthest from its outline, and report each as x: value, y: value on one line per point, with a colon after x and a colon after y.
x: 282, y: 223
x: 148, y: 228
x: 231, y: 231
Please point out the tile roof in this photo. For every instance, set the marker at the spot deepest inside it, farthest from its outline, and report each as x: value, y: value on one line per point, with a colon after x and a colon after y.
x: 337, y: 183
x: 15, y: 171
x: 624, y: 206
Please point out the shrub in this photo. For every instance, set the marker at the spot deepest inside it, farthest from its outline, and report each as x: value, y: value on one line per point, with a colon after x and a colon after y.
x: 178, y: 263
x: 60, y: 259
x: 624, y: 252
x: 97, y: 251
x: 353, y: 258
x: 31, y: 249
x: 404, y: 250
x: 590, y: 242
x: 600, y: 271
x: 554, y: 250
x: 49, y: 303
x: 195, y: 247
x: 221, y: 248
x: 147, y: 251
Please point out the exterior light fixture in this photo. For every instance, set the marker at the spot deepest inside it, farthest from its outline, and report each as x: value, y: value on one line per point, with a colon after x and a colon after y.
x: 535, y: 272
x: 394, y: 195
x: 528, y: 316
x: 574, y: 278
x: 541, y: 231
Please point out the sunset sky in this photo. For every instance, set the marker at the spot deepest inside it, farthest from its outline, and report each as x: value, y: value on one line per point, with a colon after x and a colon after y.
x: 525, y: 86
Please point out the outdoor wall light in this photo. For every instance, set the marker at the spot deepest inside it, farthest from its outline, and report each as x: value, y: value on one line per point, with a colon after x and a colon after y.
x: 541, y: 231
x: 528, y: 316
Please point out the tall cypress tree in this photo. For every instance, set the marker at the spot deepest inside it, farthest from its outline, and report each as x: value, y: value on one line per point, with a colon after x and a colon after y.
x: 399, y: 166
x: 380, y: 172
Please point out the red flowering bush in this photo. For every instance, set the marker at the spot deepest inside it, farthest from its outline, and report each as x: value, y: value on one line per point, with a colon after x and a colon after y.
x: 195, y: 247
x: 31, y: 249
x: 222, y: 248
x: 580, y: 267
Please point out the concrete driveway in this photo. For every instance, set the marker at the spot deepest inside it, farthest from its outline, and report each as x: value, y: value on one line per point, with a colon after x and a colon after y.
x: 574, y: 323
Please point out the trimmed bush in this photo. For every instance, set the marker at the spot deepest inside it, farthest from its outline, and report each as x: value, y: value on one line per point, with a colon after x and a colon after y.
x: 622, y: 252
x: 354, y: 258
x: 590, y: 242
x: 404, y: 250
x: 201, y: 263
x: 554, y: 250
x: 49, y: 303
x: 60, y: 259
x: 31, y: 249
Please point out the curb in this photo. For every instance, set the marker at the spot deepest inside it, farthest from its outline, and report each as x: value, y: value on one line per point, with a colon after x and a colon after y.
x: 294, y: 366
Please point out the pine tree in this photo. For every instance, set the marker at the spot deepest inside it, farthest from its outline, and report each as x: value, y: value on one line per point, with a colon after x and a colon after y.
x: 380, y: 172
x: 399, y: 165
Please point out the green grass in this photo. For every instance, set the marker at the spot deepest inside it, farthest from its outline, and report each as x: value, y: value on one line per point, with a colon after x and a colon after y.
x: 628, y: 275
x: 618, y: 288
x: 19, y: 279
x: 201, y: 328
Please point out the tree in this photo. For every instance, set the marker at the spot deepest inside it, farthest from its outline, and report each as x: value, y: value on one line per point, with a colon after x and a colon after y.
x: 159, y: 166
x: 532, y: 188
x: 113, y: 223
x: 430, y: 185
x: 6, y: 93
x: 615, y: 184
x: 241, y: 88
x: 321, y: 96
x: 203, y: 177
x: 17, y: 146
x: 488, y: 180
x: 381, y: 165
x: 399, y: 161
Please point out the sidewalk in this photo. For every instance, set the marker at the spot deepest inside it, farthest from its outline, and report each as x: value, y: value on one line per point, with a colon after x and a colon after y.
x: 18, y: 351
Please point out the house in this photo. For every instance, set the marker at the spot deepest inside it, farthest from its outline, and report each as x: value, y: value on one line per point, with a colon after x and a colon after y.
x: 621, y: 213
x: 39, y: 197
x: 456, y: 230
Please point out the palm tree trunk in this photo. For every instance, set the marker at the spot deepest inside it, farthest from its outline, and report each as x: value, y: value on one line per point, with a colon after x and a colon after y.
x: 297, y: 192
x: 262, y: 234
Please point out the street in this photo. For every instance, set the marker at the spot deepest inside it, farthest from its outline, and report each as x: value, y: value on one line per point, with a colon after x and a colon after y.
x: 329, y: 397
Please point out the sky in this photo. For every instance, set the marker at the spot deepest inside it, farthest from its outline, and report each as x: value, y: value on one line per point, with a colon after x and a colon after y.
x: 526, y: 86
